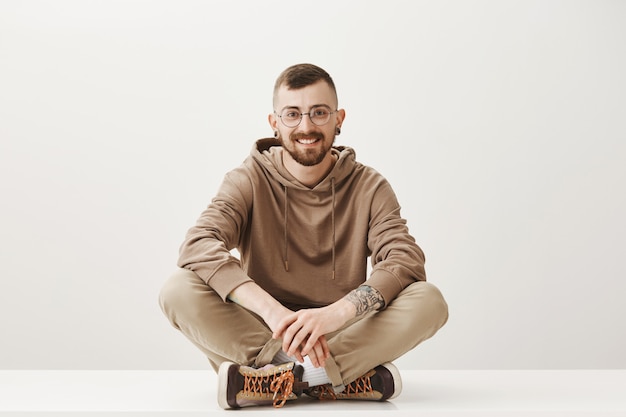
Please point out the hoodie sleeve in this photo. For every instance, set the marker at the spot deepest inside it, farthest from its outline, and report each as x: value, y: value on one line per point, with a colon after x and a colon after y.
x: 397, y: 260
x: 207, y: 245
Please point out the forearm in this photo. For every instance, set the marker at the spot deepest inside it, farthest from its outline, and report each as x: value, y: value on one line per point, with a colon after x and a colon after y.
x: 252, y: 297
x: 365, y: 299
x: 357, y: 302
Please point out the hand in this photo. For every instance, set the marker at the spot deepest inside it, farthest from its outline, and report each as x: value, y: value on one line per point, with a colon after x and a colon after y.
x: 317, y: 354
x: 303, y: 332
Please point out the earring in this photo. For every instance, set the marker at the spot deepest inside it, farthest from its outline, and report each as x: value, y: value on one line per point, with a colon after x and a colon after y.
x: 338, y: 130
x: 276, y: 133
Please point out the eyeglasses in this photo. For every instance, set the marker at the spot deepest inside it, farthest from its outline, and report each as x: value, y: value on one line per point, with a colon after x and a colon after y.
x: 319, y: 115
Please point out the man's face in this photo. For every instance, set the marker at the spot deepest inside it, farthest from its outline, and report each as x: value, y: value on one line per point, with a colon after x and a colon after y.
x: 308, y: 144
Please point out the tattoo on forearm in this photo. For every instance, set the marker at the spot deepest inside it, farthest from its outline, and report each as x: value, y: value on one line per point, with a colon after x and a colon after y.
x: 366, y: 299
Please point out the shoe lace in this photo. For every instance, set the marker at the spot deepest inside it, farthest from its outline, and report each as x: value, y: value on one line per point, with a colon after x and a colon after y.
x: 362, y: 384
x: 281, y: 385
x: 325, y: 392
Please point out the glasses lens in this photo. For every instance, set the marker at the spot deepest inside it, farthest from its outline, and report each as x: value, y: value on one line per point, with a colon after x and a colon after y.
x: 319, y: 115
x: 291, y: 118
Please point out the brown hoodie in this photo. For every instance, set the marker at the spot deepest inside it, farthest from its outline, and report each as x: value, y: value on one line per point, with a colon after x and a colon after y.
x: 307, y: 247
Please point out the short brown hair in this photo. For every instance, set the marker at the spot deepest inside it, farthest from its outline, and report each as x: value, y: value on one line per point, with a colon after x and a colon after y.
x: 302, y: 75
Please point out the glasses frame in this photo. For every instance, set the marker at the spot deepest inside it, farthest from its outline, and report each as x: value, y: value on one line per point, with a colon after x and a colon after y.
x: 330, y: 113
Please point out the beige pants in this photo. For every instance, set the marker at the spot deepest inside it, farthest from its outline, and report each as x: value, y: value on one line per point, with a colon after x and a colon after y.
x: 228, y: 332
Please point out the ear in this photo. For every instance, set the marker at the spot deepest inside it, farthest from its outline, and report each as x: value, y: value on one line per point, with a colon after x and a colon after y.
x: 341, y: 115
x: 271, y: 118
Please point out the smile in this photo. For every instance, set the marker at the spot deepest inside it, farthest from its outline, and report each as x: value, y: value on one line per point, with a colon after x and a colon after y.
x: 307, y: 141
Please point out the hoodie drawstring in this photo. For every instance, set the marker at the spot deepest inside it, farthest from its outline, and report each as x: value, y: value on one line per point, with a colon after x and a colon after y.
x: 332, y: 219
x: 285, y: 258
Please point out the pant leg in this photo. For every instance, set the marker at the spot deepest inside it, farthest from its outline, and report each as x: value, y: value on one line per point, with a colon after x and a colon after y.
x: 415, y: 315
x: 223, y: 331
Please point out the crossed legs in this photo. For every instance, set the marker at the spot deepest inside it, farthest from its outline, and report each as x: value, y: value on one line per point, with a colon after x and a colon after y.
x: 225, y: 331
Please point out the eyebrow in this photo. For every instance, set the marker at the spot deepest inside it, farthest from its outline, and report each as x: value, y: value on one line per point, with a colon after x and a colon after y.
x: 312, y: 107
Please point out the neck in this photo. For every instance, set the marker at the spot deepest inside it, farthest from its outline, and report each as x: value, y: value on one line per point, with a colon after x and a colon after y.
x: 309, y: 175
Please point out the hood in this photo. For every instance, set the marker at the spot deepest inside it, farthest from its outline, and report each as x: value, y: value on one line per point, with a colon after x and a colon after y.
x: 268, y: 153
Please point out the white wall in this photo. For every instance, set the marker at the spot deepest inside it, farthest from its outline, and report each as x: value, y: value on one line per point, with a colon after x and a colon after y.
x: 500, y: 124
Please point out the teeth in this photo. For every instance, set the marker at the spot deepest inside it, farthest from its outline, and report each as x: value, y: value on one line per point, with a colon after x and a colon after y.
x: 307, y: 141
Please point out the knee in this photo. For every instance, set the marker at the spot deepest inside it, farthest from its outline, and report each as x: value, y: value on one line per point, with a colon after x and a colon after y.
x: 430, y: 303
x: 174, y: 294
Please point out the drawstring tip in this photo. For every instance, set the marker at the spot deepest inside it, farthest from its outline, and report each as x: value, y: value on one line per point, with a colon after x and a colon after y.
x: 333, y: 274
x: 286, y: 266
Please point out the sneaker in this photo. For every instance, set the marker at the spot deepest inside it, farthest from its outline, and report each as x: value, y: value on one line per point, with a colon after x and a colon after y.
x: 379, y: 384
x: 244, y: 386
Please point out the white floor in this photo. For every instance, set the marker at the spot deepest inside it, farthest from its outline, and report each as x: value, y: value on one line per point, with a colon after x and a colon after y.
x: 425, y: 393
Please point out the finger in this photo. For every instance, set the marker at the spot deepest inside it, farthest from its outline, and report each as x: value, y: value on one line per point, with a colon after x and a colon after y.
x: 313, y: 358
x: 299, y: 356
x: 288, y: 342
x: 317, y: 356
x: 286, y: 331
x: 324, y: 345
x: 297, y: 341
x: 311, y: 342
x: 293, y: 337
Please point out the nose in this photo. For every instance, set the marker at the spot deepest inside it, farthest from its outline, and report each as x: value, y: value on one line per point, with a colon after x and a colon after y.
x: 306, y: 123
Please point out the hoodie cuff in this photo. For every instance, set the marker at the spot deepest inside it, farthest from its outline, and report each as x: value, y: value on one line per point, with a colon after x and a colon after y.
x: 227, y: 278
x: 386, y: 283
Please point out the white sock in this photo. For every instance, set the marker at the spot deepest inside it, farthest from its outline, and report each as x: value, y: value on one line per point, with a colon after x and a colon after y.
x: 314, y: 376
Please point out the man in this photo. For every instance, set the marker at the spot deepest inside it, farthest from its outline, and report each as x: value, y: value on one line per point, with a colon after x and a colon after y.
x: 297, y: 313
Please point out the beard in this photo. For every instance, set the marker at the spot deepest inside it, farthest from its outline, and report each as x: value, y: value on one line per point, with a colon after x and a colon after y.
x: 306, y: 157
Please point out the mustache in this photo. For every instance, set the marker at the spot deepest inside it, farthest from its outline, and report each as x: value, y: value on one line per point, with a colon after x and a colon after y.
x: 308, y: 135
